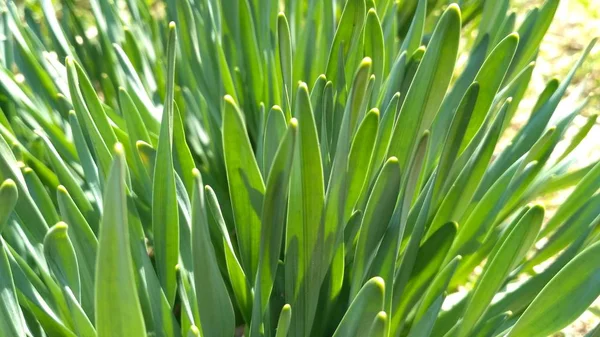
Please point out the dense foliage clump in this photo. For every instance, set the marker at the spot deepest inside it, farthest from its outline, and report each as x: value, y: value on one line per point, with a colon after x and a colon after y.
x: 166, y: 170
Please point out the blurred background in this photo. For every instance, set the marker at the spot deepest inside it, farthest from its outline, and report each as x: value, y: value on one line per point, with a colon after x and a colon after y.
x: 575, y: 24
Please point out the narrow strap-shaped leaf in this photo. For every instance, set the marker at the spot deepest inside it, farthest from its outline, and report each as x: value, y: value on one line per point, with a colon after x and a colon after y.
x: 379, y: 325
x: 273, y: 224
x: 425, y: 95
x: 375, y: 221
x: 118, y: 311
x: 359, y: 162
x: 385, y: 262
x: 424, y: 326
x: 494, y: 13
x: 490, y: 78
x: 374, y: 47
x: 95, y: 107
x: 40, y: 195
x: 90, y: 169
x: 454, y: 138
x: 583, y: 191
x: 579, y: 136
x: 362, y: 311
x: 348, y: 30
x: 537, y: 123
x: 510, y: 250
x: 85, y: 244
x: 103, y: 155
x: 586, y: 216
x: 284, y: 43
x: 12, y: 322
x: 214, y: 306
x: 246, y: 186
x: 251, y: 51
x: 490, y: 327
x: 239, y: 282
x: 81, y: 322
x: 533, y: 32
x: 165, y: 215
x: 8, y: 199
x: 463, y: 189
x: 61, y: 258
x: 33, y: 221
x: 274, y: 131
x: 412, y: 40
x: 428, y: 262
x: 305, y: 208
x: 283, y: 324
x: 66, y: 178
x: 564, y: 298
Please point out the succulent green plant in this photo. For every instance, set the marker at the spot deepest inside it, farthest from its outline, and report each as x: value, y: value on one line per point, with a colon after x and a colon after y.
x: 175, y: 176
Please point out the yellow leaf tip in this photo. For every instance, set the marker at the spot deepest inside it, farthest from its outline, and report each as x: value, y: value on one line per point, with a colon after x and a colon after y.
x: 378, y: 282
x: 302, y: 85
x: 61, y: 226
x: 119, y: 149
x: 8, y: 183
x: 229, y: 99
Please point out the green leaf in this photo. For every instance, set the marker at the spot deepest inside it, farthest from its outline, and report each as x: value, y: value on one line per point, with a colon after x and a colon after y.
x: 490, y: 78
x: 379, y: 325
x: 101, y: 151
x: 583, y: 191
x: 412, y: 40
x: 274, y: 131
x: 363, y: 310
x: 283, y: 324
x: 374, y: 47
x: 375, y: 221
x: 165, y: 215
x: 532, y: 31
x: 425, y: 95
x: 564, y: 298
x: 12, y: 322
x: 273, y: 224
x: 40, y: 195
x: 214, y: 306
x: 305, y: 208
x: 34, y: 223
x: 85, y: 244
x: 90, y: 169
x: 359, y: 162
x: 118, y: 311
x: 246, y: 186
x: 66, y: 178
x: 239, y: 282
x: 8, y: 200
x: 284, y: 41
x: 428, y: 263
x: 509, y: 252
x: 61, y: 258
x: 347, y: 33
